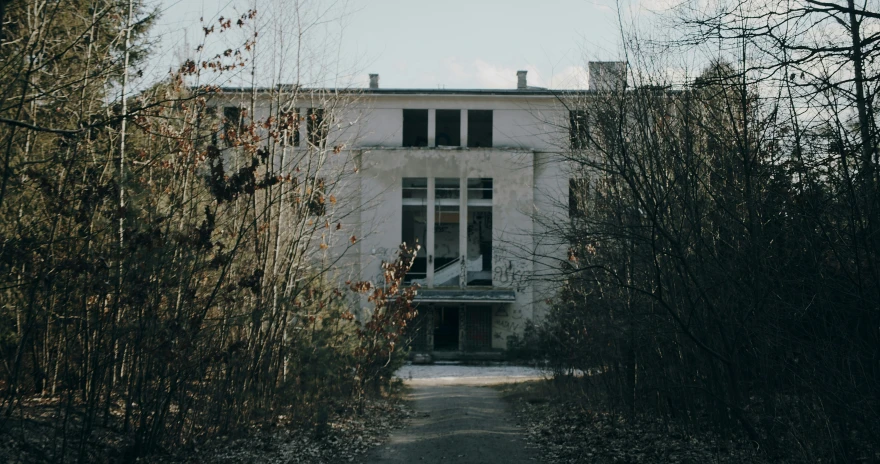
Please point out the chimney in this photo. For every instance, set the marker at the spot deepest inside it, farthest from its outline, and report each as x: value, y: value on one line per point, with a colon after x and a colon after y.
x: 521, y: 80
x: 374, y: 81
x: 607, y: 76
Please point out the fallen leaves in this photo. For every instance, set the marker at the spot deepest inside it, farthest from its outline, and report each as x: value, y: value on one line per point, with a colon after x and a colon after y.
x: 565, y: 432
x: 348, y: 438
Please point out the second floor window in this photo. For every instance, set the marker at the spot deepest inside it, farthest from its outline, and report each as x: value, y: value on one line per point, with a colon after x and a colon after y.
x: 233, y: 124
x: 316, y: 125
x: 288, y: 125
x: 577, y: 129
x: 315, y: 191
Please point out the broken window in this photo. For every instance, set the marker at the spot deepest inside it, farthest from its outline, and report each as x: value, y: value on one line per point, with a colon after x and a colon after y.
x: 232, y: 124
x: 479, y: 128
x: 288, y: 126
x: 415, y: 128
x: 479, y: 232
x: 448, y: 126
x: 317, y: 127
x: 577, y: 197
x: 577, y: 129
x: 447, y: 267
x: 415, y: 225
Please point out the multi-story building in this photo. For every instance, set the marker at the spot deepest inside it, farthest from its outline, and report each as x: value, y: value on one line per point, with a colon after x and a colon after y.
x: 469, y: 175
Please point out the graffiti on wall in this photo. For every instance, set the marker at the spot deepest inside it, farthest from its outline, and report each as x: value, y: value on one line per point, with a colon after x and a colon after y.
x: 510, y: 274
x: 506, y: 321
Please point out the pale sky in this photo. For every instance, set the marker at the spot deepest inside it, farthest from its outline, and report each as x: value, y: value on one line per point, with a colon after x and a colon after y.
x: 430, y: 44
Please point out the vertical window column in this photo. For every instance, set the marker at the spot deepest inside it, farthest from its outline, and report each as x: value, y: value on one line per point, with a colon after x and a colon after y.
x: 479, y: 232
x: 414, y: 225
x: 447, y: 252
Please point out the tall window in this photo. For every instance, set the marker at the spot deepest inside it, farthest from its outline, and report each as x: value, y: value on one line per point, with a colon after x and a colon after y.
x: 447, y: 267
x: 232, y: 124
x: 577, y: 129
x: 415, y: 128
x: 288, y: 126
x: 448, y: 133
x: 577, y: 197
x: 479, y: 128
x: 479, y: 231
x: 415, y: 224
x: 315, y: 191
x: 317, y: 127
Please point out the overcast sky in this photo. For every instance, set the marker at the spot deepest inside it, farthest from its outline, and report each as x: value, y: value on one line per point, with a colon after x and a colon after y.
x: 440, y: 43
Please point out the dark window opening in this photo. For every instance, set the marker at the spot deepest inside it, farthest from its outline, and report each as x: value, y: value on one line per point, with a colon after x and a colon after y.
x: 414, y: 222
x: 415, y: 128
x: 479, y: 128
x: 447, y: 267
x: 317, y: 127
x: 479, y: 232
x: 208, y: 117
x: 577, y: 197
x: 288, y: 127
x: 446, y: 328
x: 232, y: 124
x: 577, y: 129
x: 448, y: 132
x: 316, y: 197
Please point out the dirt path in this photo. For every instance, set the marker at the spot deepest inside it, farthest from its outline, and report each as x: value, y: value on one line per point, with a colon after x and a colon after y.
x: 458, y: 419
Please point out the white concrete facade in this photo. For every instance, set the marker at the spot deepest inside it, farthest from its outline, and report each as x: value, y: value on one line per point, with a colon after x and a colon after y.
x: 529, y: 129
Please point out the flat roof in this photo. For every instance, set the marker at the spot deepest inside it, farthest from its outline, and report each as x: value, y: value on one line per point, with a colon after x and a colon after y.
x: 507, y: 92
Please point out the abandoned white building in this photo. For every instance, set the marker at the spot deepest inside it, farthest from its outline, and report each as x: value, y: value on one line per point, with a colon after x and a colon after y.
x: 462, y: 173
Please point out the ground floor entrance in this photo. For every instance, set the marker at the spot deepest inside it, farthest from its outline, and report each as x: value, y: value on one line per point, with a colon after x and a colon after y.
x: 446, y: 327
x: 452, y: 328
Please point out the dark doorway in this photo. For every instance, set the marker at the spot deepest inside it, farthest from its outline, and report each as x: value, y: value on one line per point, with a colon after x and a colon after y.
x: 478, y: 328
x: 446, y: 328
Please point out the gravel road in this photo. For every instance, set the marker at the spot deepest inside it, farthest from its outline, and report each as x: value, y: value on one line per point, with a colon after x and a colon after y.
x: 458, y: 418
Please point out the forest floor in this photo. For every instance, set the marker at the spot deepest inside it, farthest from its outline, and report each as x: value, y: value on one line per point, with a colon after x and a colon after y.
x: 493, y: 414
x: 346, y: 436
x: 567, y: 429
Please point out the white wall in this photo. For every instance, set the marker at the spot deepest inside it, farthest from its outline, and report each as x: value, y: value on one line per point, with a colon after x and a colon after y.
x: 530, y: 185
